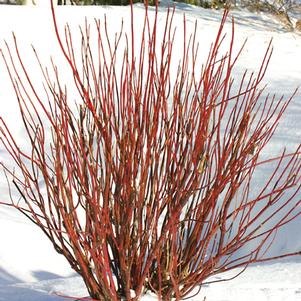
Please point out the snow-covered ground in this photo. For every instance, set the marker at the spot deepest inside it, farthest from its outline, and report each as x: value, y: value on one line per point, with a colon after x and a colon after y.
x: 269, y: 282
x: 30, y: 270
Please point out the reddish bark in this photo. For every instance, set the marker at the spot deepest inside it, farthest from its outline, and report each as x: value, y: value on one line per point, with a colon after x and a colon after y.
x: 147, y: 185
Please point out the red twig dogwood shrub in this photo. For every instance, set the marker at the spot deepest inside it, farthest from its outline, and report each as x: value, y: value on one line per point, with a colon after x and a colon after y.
x: 148, y: 180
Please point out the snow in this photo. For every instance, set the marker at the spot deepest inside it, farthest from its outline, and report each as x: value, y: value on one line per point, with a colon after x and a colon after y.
x: 30, y: 269
x: 270, y: 282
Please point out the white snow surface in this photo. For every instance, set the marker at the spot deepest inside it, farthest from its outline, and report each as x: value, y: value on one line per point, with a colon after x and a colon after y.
x: 30, y: 270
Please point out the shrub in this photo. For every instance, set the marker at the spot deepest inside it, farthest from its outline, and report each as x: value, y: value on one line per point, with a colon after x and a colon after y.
x: 216, y: 4
x: 147, y: 181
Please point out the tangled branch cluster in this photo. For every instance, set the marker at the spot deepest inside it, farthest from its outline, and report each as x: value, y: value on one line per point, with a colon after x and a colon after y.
x: 147, y: 182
